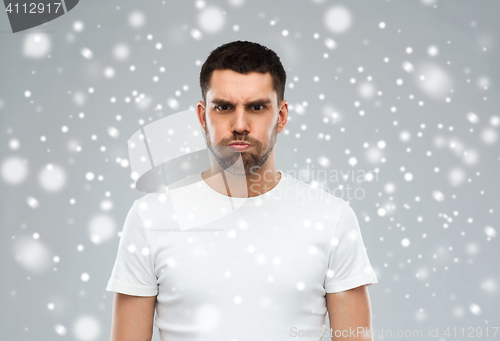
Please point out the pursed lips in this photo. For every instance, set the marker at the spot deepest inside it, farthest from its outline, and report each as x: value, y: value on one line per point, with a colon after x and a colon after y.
x: 240, y: 146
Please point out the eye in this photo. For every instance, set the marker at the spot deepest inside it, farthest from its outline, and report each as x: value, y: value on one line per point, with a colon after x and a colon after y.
x: 258, y: 105
x: 219, y: 107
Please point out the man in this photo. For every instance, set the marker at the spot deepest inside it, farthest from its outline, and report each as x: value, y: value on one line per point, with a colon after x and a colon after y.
x: 286, y: 256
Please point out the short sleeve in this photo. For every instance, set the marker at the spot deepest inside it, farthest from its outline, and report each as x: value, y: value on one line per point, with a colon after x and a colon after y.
x: 348, y: 263
x: 133, y: 272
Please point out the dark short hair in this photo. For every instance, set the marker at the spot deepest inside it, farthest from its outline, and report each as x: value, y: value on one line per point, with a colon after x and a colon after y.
x: 244, y: 57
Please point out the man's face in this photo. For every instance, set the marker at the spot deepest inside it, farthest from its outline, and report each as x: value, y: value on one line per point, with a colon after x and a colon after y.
x: 242, y: 108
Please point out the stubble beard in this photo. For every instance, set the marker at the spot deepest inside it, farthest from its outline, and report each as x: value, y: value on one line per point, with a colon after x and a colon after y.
x: 226, y: 157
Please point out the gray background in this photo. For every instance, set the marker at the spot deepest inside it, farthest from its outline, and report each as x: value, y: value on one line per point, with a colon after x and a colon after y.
x: 449, y: 278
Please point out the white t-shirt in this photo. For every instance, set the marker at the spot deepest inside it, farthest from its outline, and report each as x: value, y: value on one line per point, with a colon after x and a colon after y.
x: 261, y: 276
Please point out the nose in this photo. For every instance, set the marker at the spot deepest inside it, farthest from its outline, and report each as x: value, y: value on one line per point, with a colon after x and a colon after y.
x: 240, y: 124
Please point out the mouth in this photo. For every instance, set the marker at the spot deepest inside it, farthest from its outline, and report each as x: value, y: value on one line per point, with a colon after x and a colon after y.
x: 239, y: 146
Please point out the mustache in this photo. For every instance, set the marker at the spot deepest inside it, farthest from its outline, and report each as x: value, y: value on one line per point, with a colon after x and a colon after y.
x: 245, y: 140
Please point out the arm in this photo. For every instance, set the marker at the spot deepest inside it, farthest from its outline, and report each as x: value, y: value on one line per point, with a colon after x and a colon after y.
x: 133, y: 317
x: 348, y: 311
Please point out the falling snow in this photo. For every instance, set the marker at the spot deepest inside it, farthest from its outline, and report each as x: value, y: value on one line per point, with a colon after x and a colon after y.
x: 401, y: 105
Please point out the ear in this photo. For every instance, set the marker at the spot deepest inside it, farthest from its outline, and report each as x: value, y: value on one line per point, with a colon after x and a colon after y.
x: 201, y: 111
x: 283, y: 116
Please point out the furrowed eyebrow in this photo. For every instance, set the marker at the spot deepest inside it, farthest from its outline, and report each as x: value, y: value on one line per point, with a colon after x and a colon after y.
x: 257, y: 102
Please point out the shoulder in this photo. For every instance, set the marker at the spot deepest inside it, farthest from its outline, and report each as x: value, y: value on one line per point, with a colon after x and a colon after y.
x: 313, y: 194
x: 150, y: 199
x: 155, y: 209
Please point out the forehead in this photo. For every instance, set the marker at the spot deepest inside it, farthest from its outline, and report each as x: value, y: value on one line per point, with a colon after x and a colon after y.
x: 234, y: 86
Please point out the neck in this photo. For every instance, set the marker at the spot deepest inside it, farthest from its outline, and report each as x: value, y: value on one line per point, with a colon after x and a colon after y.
x: 242, y: 185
